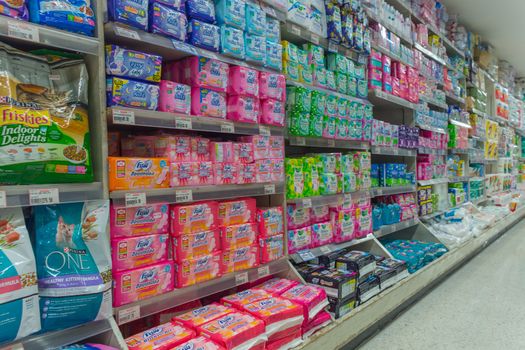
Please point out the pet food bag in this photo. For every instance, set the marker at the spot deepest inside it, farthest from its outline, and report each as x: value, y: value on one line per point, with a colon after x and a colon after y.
x: 73, y: 263
x: 44, y: 127
x: 19, y: 312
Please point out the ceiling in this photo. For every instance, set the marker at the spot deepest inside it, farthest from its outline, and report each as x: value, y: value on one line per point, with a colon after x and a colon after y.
x: 498, y: 22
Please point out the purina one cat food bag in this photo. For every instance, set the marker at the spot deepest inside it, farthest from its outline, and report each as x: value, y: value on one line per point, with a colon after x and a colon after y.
x: 74, y: 263
x: 19, y: 315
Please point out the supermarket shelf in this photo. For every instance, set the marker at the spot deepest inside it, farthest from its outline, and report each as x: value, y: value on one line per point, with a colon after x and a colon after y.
x: 448, y: 44
x: 385, y: 191
x: 498, y: 119
x: 154, y: 119
x: 459, y: 179
x: 477, y: 178
x: 460, y: 123
x: 297, y: 34
x: 442, y: 180
x: 153, y: 305
x: 16, y: 30
x: 327, y: 91
x: 393, y: 151
x: 310, y: 254
x: 390, y: 54
x: 479, y: 113
x: 458, y: 151
x: 169, y: 49
x: 58, y: 339
x: 430, y: 54
x: 270, y: 10
x: 382, y: 99
x: 19, y: 196
x: 432, y: 128
x: 406, y: 40
x: 427, y: 150
x: 388, y: 229
x: 199, y: 193
x: 402, y: 6
x: 435, y: 104
x: 378, y: 311
x: 455, y: 99
x: 327, y: 143
x: 479, y: 200
x: 332, y: 200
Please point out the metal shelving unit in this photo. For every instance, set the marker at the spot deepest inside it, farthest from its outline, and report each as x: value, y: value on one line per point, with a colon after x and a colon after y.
x: 433, y: 181
x: 327, y: 143
x: 393, y: 151
x: 388, y: 229
x: 380, y: 98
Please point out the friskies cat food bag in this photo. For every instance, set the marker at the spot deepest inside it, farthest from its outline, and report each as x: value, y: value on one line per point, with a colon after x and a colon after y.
x: 73, y: 263
x: 19, y: 315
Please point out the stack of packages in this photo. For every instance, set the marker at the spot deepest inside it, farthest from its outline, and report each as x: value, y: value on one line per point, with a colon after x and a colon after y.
x: 351, y: 277
x: 430, y: 166
x: 347, y: 24
x: 388, y: 210
x: 416, y: 254
x: 273, y: 315
x: 390, y: 135
x: 244, y: 30
x: 391, y: 175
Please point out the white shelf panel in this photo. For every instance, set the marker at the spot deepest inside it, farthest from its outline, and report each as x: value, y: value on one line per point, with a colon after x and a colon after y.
x: 393, y: 151
x: 332, y: 200
x: 388, y: 229
x: 442, y: 180
x: 459, y: 179
x: 427, y: 150
x: 385, y: 191
x: 380, y: 98
x: 432, y: 128
x: 430, y: 54
x: 390, y: 54
x: 182, y: 296
x: 327, y: 143
x: 454, y: 99
x: 165, y: 120
x: 200, y: 193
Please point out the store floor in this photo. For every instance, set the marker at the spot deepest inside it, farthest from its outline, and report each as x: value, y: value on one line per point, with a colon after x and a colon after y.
x: 481, y: 306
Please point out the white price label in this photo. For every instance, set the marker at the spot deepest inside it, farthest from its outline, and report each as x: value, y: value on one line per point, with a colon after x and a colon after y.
x: 264, y: 130
x: 325, y: 249
x: 43, y: 196
x: 295, y: 29
x: 306, y: 255
x: 332, y: 47
x: 121, y: 116
x: 54, y: 77
x: 379, y: 191
x: 3, y: 199
x: 300, y: 141
x: 129, y: 314
x: 22, y: 30
x: 330, y: 143
x: 307, y: 203
x: 241, y: 278
x: 263, y: 271
x: 182, y: 196
x: 228, y: 128
x: 135, y: 199
x: 396, y: 151
x: 314, y: 39
x: 127, y: 33
x: 183, y: 123
x: 269, y: 189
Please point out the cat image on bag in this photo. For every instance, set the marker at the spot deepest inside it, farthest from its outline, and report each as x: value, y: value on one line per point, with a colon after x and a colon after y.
x: 64, y: 236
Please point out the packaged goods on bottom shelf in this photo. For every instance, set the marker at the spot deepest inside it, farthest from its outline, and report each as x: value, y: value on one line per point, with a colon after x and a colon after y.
x: 389, y: 210
x: 176, y: 246
x: 272, y: 315
x: 416, y: 254
x: 166, y: 160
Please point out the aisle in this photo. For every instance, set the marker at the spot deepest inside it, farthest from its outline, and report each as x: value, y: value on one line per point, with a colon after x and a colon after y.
x: 479, y: 307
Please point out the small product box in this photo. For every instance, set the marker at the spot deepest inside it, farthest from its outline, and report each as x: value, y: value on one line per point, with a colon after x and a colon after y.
x: 337, y: 284
x: 361, y: 262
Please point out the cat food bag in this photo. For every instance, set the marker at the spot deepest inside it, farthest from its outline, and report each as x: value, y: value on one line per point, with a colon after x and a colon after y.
x: 19, y: 312
x: 44, y: 127
x: 73, y: 263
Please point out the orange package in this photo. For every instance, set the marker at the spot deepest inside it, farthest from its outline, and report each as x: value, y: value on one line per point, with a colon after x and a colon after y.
x: 135, y: 173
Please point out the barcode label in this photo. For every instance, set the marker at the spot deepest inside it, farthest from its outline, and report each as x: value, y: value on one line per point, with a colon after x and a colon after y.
x: 264, y: 130
x: 182, y: 196
x: 43, y: 196
x: 228, y: 127
x: 3, y: 199
x: 269, y: 189
x: 135, y: 199
x: 241, y: 278
x: 21, y: 30
x: 306, y: 255
x: 295, y: 30
x: 127, y: 33
x: 183, y: 123
x: 263, y: 271
x: 307, y: 203
x: 300, y: 141
x: 129, y: 314
x: 121, y: 116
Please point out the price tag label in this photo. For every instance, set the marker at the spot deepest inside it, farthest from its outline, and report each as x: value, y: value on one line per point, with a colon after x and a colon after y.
x: 307, y: 203
x: 128, y: 33
x: 183, y: 123
x: 314, y: 39
x: 263, y: 271
x: 332, y: 47
x: 178, y: 45
x: 135, y: 199
x: 129, y: 314
x: 330, y: 143
x: 241, y: 278
x: 300, y: 141
x: 54, y: 77
x: 3, y: 199
x: 325, y: 249
x: 306, y: 255
x: 269, y: 189
x: 228, y: 128
x: 43, y: 196
x: 121, y: 116
x: 295, y: 29
x: 396, y: 151
x: 264, y: 130
x: 182, y: 196
x: 22, y: 30
x: 379, y: 191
